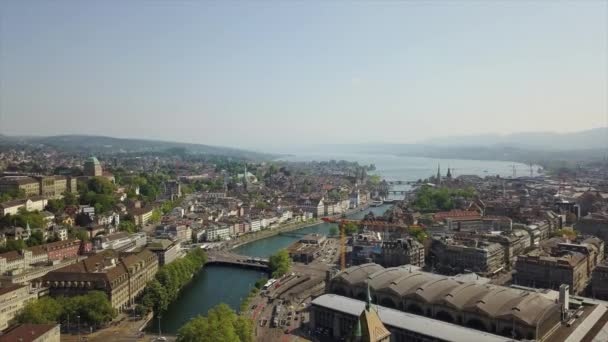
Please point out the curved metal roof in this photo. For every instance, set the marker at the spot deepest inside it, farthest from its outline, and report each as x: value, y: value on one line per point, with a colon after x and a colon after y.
x: 493, y: 301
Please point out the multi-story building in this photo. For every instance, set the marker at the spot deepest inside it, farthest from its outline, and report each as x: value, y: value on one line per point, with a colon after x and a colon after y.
x: 406, y: 251
x: 485, y: 308
x: 256, y: 224
x: 59, y: 231
x: 538, y: 269
x: 557, y: 262
x: 29, y: 204
x: 141, y: 216
x: 122, y: 241
x: 54, y: 186
x: 599, y: 282
x: 33, y: 333
x: 92, y: 167
x: 454, y: 255
x: 172, y: 189
x: 313, y: 205
x: 15, y: 261
x: 341, y: 317
x: 13, y: 299
x: 28, y: 185
x: 217, y: 233
x: 180, y: 232
x: 122, y: 276
x: 166, y: 250
x: 59, y: 250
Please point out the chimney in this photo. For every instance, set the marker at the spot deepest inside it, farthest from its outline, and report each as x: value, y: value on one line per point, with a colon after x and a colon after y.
x: 564, y: 299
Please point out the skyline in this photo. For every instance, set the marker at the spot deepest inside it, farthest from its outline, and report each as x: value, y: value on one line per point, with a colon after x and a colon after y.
x: 248, y: 75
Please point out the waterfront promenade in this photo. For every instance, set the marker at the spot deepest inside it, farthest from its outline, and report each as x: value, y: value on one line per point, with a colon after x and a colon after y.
x: 263, y: 234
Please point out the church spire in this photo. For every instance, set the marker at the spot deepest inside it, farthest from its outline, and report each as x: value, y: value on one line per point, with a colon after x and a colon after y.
x: 438, y: 173
x: 449, y: 175
x: 368, y: 304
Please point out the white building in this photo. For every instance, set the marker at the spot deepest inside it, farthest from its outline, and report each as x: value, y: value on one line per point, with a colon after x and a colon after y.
x: 256, y: 224
x: 218, y: 233
x: 30, y: 204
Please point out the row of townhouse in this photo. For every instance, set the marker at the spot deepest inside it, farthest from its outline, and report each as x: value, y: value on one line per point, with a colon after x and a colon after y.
x: 227, y: 229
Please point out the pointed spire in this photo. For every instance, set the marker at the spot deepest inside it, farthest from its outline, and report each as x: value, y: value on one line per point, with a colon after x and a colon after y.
x: 27, y: 226
x: 368, y: 304
x: 438, y: 173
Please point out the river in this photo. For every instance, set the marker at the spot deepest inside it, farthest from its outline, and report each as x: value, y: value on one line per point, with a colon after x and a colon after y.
x: 219, y: 284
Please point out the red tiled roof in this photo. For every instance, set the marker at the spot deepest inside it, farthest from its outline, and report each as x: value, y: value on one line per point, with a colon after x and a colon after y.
x: 456, y: 213
x: 26, y: 332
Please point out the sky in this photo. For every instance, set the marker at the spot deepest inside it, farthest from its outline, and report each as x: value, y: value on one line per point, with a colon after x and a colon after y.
x: 264, y: 73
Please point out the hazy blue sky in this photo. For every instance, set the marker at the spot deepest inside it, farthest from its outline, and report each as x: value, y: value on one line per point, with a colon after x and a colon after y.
x: 246, y: 73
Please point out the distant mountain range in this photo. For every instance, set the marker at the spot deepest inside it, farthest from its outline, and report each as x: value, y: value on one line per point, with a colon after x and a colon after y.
x: 101, y: 145
x: 596, y: 138
x: 521, y: 147
x: 543, y: 148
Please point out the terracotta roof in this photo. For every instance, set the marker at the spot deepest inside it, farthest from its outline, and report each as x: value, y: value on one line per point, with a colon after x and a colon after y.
x: 13, y: 203
x: 141, y: 211
x: 27, y: 332
x: 18, y: 180
x: 99, y: 267
x: 455, y: 213
x: 9, y: 288
x: 10, y: 256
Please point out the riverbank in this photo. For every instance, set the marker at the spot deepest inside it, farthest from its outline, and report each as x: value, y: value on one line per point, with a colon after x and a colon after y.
x: 263, y: 234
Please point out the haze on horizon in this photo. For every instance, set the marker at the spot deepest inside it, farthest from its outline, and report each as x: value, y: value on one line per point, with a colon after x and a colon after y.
x: 262, y: 74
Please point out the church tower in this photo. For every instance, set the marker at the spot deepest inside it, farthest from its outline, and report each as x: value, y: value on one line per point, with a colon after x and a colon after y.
x: 449, y: 175
x: 369, y: 327
x: 438, y: 181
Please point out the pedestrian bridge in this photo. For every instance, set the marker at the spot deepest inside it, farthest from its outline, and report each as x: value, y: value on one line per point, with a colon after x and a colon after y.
x: 293, y: 234
x: 231, y: 259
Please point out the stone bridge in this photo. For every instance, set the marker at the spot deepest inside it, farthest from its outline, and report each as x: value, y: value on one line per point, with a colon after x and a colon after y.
x: 231, y: 259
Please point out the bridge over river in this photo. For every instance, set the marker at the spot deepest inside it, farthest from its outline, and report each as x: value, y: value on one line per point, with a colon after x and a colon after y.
x: 231, y: 259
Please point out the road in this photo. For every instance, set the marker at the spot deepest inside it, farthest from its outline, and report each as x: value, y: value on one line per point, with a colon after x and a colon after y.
x: 293, y: 296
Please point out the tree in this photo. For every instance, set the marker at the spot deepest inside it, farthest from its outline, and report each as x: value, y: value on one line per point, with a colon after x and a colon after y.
x: 37, y: 238
x: 43, y: 311
x: 280, y: 263
x: 351, y: 228
x: 418, y: 233
x: 570, y: 218
x: 155, y: 297
x: 101, y: 185
x: 565, y: 232
x: 70, y: 198
x: 94, y: 308
x: 333, y: 231
x: 127, y: 226
x: 156, y: 216
x: 221, y: 324
x: 261, y: 282
x: 170, y: 279
x: 13, y: 245
x: 79, y: 234
x: 55, y: 205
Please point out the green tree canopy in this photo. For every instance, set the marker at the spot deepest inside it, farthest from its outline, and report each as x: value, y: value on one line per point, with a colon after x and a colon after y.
x: 280, y: 263
x: 221, y: 324
x: 94, y: 309
x: 432, y: 199
x: 42, y: 311
x: 170, y: 279
x: 351, y: 228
